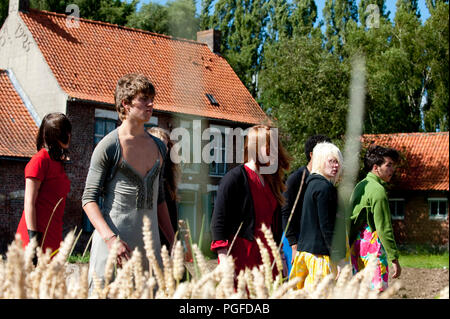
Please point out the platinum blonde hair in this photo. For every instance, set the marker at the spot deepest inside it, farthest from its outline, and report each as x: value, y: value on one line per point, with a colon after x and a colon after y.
x: 322, y: 152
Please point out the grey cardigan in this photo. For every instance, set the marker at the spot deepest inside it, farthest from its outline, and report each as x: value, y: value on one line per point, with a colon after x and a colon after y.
x: 104, y: 163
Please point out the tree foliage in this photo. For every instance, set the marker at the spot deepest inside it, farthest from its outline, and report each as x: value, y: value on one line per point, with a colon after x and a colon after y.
x: 406, y: 62
x: 151, y: 17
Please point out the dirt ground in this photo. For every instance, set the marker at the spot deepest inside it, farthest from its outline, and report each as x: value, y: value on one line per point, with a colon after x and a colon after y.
x: 421, y: 283
x: 417, y: 283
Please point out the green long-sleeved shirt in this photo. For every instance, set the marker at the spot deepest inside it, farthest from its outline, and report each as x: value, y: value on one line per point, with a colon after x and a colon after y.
x: 370, y: 204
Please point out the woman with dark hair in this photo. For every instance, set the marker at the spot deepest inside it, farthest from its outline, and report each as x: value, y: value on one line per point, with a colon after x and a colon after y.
x: 46, y: 184
x: 250, y: 195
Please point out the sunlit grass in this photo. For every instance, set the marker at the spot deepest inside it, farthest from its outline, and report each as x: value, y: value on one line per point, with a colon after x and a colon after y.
x: 424, y: 256
x: 424, y: 260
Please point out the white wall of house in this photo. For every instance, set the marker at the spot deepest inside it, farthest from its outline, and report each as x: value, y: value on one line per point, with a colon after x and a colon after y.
x: 20, y: 54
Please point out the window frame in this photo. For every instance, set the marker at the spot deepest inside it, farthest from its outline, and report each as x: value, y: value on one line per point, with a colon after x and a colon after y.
x: 438, y: 200
x: 396, y: 216
x: 191, y: 189
x: 104, y: 120
x: 189, y: 168
x: 221, y: 128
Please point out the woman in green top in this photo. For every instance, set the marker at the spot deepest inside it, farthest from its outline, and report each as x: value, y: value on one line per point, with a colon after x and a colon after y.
x: 371, y: 232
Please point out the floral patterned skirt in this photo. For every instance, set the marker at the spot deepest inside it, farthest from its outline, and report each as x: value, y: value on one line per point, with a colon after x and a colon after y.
x: 366, y: 245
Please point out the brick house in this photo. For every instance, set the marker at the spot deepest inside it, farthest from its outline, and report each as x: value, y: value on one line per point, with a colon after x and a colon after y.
x: 72, y: 66
x: 18, y: 129
x: 419, y: 190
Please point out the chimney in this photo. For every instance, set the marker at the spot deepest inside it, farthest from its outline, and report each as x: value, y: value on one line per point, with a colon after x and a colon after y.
x: 18, y: 5
x: 212, y: 38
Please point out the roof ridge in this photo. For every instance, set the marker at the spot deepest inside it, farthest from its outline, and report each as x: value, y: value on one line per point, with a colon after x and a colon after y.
x: 169, y: 37
x: 407, y: 133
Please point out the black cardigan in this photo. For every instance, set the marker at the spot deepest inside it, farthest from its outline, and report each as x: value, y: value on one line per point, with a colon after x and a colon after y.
x: 234, y: 204
x: 318, y: 216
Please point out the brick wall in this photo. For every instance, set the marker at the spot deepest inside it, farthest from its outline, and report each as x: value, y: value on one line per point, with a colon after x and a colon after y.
x: 417, y: 227
x: 82, y: 117
x: 12, y: 185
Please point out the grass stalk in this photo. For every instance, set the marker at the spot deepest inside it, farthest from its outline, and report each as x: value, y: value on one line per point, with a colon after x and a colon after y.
x: 49, y: 221
x: 291, y: 214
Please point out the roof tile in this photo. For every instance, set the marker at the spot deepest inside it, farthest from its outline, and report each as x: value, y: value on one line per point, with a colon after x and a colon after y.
x: 427, y: 159
x: 88, y: 60
x: 17, y: 128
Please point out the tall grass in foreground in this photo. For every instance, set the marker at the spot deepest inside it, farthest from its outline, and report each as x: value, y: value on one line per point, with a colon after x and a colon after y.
x: 19, y: 278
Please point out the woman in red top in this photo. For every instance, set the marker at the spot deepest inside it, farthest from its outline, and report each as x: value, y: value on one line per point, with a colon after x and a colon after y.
x: 46, y: 184
x: 250, y: 195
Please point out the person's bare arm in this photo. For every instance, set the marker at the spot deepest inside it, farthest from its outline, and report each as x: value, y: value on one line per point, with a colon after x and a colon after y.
x: 32, y: 186
x: 95, y: 216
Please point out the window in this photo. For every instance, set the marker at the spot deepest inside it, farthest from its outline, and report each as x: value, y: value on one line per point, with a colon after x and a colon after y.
x: 188, y: 165
x: 187, y: 210
x: 212, y: 100
x: 208, y: 204
x: 218, y: 167
x: 438, y: 208
x: 397, y: 208
x: 102, y: 127
x: 105, y: 122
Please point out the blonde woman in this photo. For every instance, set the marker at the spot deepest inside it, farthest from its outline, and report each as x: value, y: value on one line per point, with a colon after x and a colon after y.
x: 317, y: 224
x: 248, y: 197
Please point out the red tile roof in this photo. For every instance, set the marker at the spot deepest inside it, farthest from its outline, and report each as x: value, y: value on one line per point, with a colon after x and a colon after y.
x: 427, y: 159
x: 17, y: 128
x: 88, y: 60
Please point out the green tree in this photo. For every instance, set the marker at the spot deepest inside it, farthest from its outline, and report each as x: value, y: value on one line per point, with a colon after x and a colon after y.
x: 436, y: 36
x: 50, y: 5
x: 205, y: 16
x: 399, y: 72
x: 338, y: 14
x: 151, y: 17
x: 306, y: 93
x: 304, y: 17
x: 111, y: 11
x: 4, y: 5
x: 243, y: 27
x: 183, y: 21
x: 279, y: 24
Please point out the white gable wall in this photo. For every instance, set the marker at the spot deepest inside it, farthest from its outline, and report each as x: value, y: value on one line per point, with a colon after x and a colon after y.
x: 20, y: 53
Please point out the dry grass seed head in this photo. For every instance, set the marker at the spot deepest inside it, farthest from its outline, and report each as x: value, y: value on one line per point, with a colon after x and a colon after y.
x: 260, y: 287
x: 178, y: 262
x: 150, y: 253
x: 168, y: 272
x: 201, y: 262
x: 266, y: 264
x: 273, y: 247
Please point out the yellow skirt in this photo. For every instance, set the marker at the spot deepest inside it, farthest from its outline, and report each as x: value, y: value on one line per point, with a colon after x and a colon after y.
x: 309, y: 267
